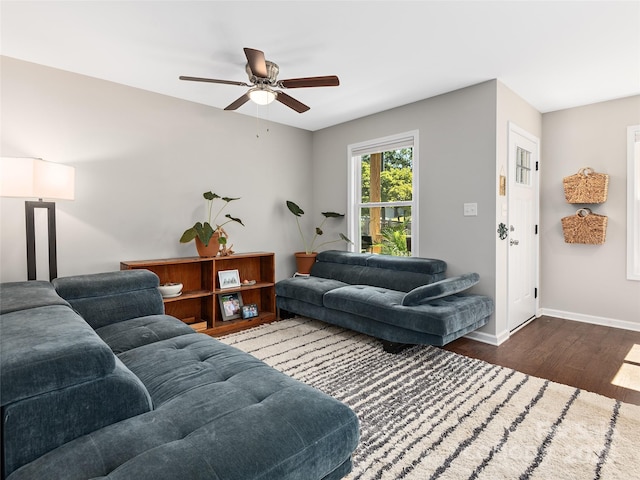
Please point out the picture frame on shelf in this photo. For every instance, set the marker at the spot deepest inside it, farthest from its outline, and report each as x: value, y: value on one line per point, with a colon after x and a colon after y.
x: 229, y: 279
x: 249, y: 311
x: 230, y: 305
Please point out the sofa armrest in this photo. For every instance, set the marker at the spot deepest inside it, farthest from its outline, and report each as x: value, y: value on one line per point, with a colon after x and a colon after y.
x: 46, y: 349
x: 15, y: 296
x: 106, y: 298
x: 41, y: 423
x: 443, y: 288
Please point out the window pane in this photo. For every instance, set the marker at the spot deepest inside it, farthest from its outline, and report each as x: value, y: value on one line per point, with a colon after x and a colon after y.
x: 387, y: 176
x: 386, y: 230
x: 523, y: 167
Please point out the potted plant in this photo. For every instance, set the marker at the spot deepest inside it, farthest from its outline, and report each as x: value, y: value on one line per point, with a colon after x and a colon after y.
x: 306, y: 259
x: 209, y: 239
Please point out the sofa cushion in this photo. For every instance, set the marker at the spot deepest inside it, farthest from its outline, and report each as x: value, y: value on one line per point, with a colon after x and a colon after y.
x: 430, y: 266
x: 346, y: 258
x: 48, y: 348
x: 397, y: 273
x: 171, y: 367
x: 404, y: 264
x: 445, y: 287
x: 105, y: 298
x: 224, y: 414
x: 38, y: 424
x: 16, y: 296
x: 123, y: 336
x: 439, y: 317
x: 307, y: 289
x: 363, y: 275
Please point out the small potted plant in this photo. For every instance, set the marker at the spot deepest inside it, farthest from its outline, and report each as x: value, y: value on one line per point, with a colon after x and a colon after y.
x: 306, y: 259
x: 211, y: 241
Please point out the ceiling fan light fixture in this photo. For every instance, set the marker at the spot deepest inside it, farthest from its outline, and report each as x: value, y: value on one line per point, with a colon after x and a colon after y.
x: 262, y: 96
x: 263, y: 79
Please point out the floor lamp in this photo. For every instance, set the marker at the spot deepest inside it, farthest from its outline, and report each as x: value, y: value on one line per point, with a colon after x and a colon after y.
x: 35, y: 178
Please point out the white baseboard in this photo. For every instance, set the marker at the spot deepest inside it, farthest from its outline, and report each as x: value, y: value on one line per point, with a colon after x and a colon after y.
x: 487, y: 338
x: 580, y: 317
x: 496, y: 340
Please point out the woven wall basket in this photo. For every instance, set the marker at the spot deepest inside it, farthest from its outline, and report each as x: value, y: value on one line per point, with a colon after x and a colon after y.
x: 586, y: 186
x: 585, y: 227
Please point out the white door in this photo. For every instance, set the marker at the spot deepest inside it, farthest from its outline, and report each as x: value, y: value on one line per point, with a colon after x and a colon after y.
x: 523, y: 226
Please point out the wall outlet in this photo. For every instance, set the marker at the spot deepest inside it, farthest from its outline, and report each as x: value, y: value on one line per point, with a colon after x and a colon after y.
x: 470, y: 209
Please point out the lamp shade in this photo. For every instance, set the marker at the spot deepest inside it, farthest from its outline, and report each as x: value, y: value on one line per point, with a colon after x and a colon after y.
x: 35, y: 178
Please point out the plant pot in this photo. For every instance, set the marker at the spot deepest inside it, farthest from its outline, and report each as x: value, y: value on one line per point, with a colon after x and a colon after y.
x: 210, y: 250
x: 305, y: 261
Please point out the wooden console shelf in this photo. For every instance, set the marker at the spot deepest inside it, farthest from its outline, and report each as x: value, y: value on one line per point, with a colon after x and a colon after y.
x: 198, y: 304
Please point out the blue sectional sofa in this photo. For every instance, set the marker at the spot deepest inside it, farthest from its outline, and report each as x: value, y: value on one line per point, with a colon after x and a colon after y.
x: 97, y: 382
x: 400, y: 300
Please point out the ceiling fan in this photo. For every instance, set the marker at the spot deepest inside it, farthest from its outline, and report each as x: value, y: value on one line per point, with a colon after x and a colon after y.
x: 263, y: 76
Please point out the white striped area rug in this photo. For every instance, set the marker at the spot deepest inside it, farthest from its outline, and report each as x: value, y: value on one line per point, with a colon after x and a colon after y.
x: 427, y: 413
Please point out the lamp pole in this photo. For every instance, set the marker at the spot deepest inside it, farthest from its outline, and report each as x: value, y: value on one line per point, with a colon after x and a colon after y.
x: 30, y: 207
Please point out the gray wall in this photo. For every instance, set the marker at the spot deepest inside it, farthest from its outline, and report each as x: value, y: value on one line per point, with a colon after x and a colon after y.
x: 588, y: 282
x: 457, y: 155
x: 142, y: 162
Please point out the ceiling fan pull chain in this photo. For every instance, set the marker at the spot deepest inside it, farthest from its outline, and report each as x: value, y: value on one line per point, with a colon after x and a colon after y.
x: 257, y: 122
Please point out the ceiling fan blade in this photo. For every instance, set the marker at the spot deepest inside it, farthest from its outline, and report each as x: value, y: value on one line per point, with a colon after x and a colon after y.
x: 257, y: 64
x: 239, y: 102
x: 213, y: 80
x: 291, y: 102
x: 327, y: 81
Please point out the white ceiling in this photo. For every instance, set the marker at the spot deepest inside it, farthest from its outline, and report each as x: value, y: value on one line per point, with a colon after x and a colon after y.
x: 554, y: 54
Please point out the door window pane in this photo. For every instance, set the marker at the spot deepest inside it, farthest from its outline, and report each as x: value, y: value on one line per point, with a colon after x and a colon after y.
x: 523, y: 166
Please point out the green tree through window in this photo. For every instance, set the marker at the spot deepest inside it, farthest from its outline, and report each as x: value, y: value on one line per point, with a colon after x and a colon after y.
x: 396, y: 176
x: 386, y: 199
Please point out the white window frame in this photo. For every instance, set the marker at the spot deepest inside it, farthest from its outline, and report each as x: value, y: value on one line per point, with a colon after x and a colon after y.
x: 354, y: 192
x: 633, y: 202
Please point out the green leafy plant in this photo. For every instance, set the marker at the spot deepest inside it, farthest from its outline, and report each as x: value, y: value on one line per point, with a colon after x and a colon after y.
x: 394, y: 241
x: 204, y: 231
x: 310, y: 247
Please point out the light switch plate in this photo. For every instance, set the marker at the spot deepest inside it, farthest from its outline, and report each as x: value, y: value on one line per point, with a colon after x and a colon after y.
x: 470, y: 209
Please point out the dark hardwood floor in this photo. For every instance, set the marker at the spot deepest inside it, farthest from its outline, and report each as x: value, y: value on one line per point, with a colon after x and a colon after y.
x: 574, y: 353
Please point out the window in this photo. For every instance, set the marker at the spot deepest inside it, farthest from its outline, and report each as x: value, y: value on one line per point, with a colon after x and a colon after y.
x: 523, y: 166
x: 383, y: 195
x: 633, y: 202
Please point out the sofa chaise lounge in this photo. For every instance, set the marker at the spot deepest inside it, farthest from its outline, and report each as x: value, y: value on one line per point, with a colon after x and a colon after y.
x: 400, y: 300
x: 97, y: 382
